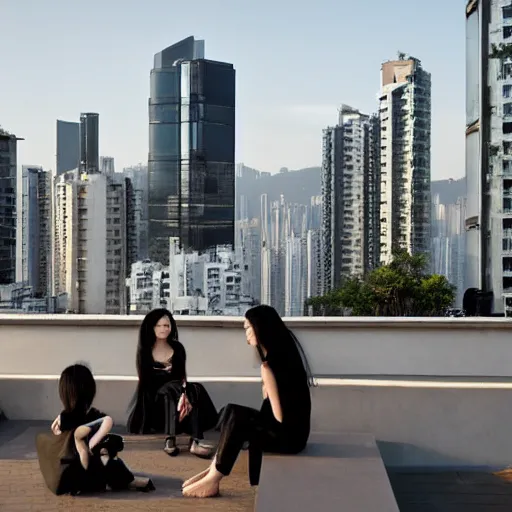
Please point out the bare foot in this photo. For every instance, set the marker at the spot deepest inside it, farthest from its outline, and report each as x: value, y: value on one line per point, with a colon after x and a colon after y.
x: 207, y: 487
x: 195, y: 478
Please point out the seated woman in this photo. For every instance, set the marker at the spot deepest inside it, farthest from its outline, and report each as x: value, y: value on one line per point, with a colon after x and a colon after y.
x: 94, y: 464
x: 282, y: 425
x: 164, y: 401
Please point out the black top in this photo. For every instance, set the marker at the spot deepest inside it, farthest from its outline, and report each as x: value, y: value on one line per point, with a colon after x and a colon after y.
x: 69, y: 420
x: 157, y: 376
x: 145, y: 414
x: 295, y: 400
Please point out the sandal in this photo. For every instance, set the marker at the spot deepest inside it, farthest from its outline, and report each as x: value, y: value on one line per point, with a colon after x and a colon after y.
x: 201, y: 450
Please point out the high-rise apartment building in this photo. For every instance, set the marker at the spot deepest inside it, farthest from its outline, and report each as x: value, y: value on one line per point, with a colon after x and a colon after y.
x: 8, y: 192
x: 36, y: 230
x: 488, y: 219
x: 349, y: 187
x: 138, y: 175
x: 191, y: 150
x: 91, y: 242
x: 405, y: 122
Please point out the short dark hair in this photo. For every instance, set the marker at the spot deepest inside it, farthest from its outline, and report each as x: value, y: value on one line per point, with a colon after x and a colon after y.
x: 77, y: 388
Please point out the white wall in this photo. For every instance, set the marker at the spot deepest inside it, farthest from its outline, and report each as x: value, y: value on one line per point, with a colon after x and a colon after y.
x: 444, y: 347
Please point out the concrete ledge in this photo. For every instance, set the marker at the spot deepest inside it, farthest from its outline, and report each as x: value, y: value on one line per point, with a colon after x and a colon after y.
x: 336, y: 472
x: 294, y: 322
x: 216, y: 347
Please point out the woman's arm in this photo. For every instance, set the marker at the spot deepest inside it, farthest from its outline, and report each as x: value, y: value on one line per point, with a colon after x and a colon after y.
x: 56, y: 426
x: 270, y: 386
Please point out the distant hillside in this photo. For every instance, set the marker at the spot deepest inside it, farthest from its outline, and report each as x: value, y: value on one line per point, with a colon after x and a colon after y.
x: 449, y: 190
x: 297, y: 186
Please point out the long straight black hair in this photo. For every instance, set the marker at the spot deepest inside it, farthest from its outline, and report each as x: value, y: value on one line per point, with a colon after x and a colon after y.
x: 282, y: 347
x: 147, y: 340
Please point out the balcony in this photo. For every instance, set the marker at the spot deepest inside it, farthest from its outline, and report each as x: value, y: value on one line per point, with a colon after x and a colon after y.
x: 435, y: 394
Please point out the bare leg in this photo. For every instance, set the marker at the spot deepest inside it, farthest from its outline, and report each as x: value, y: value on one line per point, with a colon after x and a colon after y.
x: 105, y: 428
x: 81, y: 434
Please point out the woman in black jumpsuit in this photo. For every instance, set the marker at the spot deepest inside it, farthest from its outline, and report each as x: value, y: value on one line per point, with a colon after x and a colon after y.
x: 282, y: 424
x: 165, y: 402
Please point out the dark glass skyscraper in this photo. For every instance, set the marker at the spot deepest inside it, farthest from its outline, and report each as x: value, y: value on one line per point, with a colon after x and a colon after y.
x: 191, y: 161
x: 8, y: 186
x: 68, y: 146
x: 89, y: 143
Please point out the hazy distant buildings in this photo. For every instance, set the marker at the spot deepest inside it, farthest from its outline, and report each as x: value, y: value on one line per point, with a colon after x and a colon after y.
x: 8, y: 186
x: 191, y: 150
x: 36, y: 228
x: 107, y: 165
x: 405, y: 126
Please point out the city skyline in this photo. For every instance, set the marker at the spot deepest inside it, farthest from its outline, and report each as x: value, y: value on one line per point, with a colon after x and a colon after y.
x: 296, y: 106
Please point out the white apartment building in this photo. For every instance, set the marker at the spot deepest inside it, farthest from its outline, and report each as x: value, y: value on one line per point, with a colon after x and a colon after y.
x: 488, y: 220
x: 192, y: 284
x: 90, y: 242
x: 405, y: 117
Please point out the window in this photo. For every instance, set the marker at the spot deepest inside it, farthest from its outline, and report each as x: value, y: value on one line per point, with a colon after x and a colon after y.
x: 507, y: 91
x: 507, y: 12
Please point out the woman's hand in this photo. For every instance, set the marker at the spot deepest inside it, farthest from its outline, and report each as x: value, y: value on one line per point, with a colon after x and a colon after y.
x: 56, y: 426
x: 184, y: 407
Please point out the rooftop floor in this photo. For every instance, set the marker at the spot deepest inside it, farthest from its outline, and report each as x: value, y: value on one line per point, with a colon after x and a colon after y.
x: 22, y: 488
x: 467, y: 490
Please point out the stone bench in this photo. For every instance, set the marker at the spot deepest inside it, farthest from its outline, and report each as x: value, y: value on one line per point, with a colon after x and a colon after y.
x: 336, y: 472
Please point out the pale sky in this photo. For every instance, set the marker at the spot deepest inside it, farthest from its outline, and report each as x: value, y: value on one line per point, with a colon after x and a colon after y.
x: 295, y: 62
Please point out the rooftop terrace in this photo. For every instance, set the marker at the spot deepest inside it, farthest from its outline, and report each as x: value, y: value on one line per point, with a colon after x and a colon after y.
x: 435, y: 394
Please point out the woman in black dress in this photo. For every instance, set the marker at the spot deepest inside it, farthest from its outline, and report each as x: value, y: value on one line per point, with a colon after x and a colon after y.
x: 164, y: 401
x: 93, y: 463
x: 282, y: 425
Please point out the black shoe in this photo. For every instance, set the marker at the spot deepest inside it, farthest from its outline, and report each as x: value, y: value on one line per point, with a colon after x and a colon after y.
x: 170, y: 447
x: 147, y: 488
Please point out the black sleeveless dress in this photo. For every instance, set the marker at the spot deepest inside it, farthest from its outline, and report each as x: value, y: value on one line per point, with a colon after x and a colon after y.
x: 155, y: 403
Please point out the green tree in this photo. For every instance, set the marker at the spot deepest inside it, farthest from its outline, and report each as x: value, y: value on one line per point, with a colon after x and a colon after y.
x: 401, y: 288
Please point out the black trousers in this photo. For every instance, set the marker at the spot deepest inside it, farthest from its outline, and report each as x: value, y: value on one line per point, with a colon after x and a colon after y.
x: 201, y: 418
x: 238, y: 425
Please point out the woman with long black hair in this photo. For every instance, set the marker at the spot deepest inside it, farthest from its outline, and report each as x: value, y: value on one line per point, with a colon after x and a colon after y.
x: 282, y: 425
x: 165, y: 402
